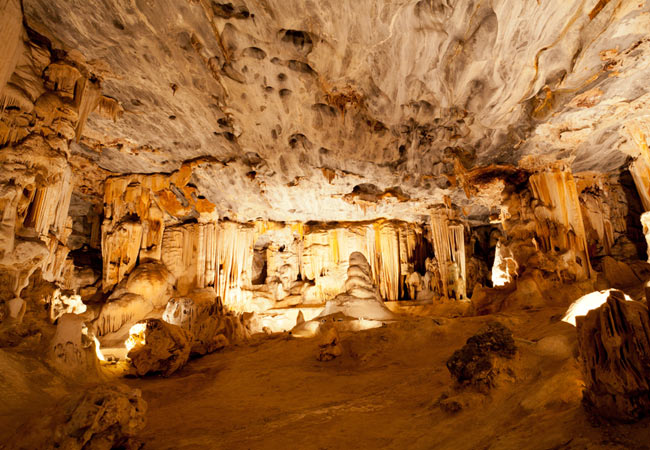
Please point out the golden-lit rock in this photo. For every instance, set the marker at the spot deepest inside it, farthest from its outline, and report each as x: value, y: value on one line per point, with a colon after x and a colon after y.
x: 166, y: 349
x: 615, y: 347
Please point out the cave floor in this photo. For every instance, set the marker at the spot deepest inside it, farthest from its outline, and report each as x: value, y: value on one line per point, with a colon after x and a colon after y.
x: 383, y: 392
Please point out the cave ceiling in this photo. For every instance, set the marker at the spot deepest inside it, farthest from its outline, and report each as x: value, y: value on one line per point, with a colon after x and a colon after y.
x: 352, y: 110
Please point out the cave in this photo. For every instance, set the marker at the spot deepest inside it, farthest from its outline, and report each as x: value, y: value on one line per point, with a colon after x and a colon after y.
x: 340, y: 224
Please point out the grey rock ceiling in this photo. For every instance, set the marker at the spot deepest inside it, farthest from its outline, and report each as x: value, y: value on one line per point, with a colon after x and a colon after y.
x: 356, y: 109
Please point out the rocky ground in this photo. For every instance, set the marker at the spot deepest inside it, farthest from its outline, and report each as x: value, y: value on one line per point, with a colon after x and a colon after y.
x: 390, y: 388
x: 386, y: 391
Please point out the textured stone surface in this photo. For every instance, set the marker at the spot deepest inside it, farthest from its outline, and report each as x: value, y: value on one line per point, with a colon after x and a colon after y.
x: 306, y: 99
x: 614, y: 342
x: 203, y: 316
x: 360, y: 298
x: 166, y: 348
x: 475, y: 363
x: 103, y: 417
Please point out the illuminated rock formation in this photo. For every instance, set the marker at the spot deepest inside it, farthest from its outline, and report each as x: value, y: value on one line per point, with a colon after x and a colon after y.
x: 200, y: 171
x: 449, y: 245
x: 143, y: 294
x: 165, y: 349
x: 390, y: 246
x: 135, y: 213
x: 588, y: 302
x: 615, y: 347
x: 560, y: 227
x: 203, y: 316
x: 73, y: 349
x: 360, y: 298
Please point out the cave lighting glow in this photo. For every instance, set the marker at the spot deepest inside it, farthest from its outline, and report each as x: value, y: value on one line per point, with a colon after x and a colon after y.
x: 586, y: 303
x: 98, y: 350
x: 136, y: 335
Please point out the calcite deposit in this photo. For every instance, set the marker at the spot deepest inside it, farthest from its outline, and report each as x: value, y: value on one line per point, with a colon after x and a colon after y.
x: 615, y: 349
x: 185, y: 182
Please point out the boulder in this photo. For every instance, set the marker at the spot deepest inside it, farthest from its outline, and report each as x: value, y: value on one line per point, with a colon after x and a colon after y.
x: 475, y: 363
x: 202, y: 315
x: 329, y: 345
x: 618, y: 274
x: 614, y: 342
x: 166, y: 348
x: 102, y: 417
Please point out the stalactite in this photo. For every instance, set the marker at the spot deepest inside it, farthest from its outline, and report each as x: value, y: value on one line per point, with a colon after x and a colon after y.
x: 62, y: 78
x: 123, y: 311
x: 87, y: 96
x: 148, y: 200
x: 110, y: 108
x: 13, y: 97
x: 389, y: 271
x: 604, y: 210
x: 235, y: 257
x: 389, y: 247
x: 120, y: 249
x: 48, y: 210
x: 559, y: 218
x: 449, y: 246
x: 596, y: 214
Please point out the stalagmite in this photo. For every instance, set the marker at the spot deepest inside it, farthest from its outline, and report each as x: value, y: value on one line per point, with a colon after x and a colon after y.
x: 615, y: 351
x: 391, y: 248
x: 73, y: 348
x: 183, y: 177
x: 504, y: 270
x: 361, y: 297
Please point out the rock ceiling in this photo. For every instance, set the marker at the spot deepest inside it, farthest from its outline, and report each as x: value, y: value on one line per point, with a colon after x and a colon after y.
x: 352, y: 110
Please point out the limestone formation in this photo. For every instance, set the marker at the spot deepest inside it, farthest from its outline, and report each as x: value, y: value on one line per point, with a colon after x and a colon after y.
x: 73, y: 349
x: 165, y: 348
x: 330, y: 345
x: 591, y: 301
x: 103, y: 416
x: 360, y: 298
x: 181, y: 176
x: 615, y: 352
x: 210, y: 327
x: 476, y: 363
